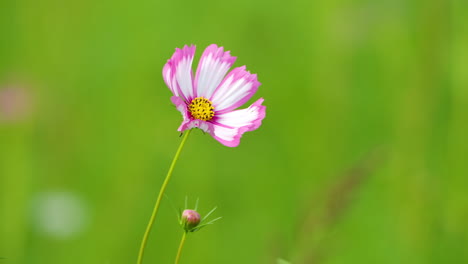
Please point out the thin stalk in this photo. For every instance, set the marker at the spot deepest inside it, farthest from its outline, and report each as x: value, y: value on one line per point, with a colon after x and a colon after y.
x: 181, y: 245
x: 158, y: 201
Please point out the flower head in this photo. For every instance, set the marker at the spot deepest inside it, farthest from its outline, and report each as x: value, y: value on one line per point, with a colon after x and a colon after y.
x: 190, y: 219
x: 209, y: 101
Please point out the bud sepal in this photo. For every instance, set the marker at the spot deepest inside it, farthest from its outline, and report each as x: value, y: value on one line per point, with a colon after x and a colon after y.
x: 191, y: 221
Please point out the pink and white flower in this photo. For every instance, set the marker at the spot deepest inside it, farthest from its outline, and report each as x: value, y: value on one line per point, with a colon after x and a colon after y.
x: 209, y: 100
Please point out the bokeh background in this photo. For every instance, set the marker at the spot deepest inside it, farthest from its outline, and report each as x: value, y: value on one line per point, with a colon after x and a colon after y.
x: 362, y: 157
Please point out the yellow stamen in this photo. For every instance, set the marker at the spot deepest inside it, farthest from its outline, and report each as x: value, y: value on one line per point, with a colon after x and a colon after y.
x: 201, y: 108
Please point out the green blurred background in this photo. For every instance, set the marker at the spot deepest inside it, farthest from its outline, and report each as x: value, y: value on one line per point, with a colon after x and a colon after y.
x: 362, y: 157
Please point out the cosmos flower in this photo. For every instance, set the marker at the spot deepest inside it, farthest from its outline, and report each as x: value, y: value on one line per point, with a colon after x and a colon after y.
x: 209, y: 101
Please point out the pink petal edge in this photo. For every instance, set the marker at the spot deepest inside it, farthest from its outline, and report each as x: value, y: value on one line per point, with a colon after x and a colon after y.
x: 220, y: 57
x: 172, y: 66
x: 225, y: 90
x: 241, y: 130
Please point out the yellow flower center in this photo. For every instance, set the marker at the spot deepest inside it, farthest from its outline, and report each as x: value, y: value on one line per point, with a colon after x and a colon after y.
x: 201, y: 108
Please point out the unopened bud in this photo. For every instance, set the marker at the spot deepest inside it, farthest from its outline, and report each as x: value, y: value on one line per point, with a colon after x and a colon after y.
x: 190, y: 219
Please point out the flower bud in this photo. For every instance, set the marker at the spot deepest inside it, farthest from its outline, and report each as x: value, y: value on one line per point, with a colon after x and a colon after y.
x: 190, y: 219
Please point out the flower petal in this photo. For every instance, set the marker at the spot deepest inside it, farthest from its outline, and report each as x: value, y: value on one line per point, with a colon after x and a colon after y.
x: 200, y: 124
x: 236, y: 89
x: 182, y: 107
x: 213, y: 66
x: 229, y: 127
x: 177, y: 72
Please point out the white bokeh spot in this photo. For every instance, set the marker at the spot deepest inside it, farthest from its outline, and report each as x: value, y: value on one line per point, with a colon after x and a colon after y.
x: 59, y: 214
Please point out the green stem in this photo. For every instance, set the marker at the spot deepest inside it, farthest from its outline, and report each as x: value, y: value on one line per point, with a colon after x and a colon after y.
x: 179, y: 252
x: 158, y: 201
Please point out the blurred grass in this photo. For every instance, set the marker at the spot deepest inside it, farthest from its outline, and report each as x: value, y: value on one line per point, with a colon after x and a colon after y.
x: 340, y: 78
